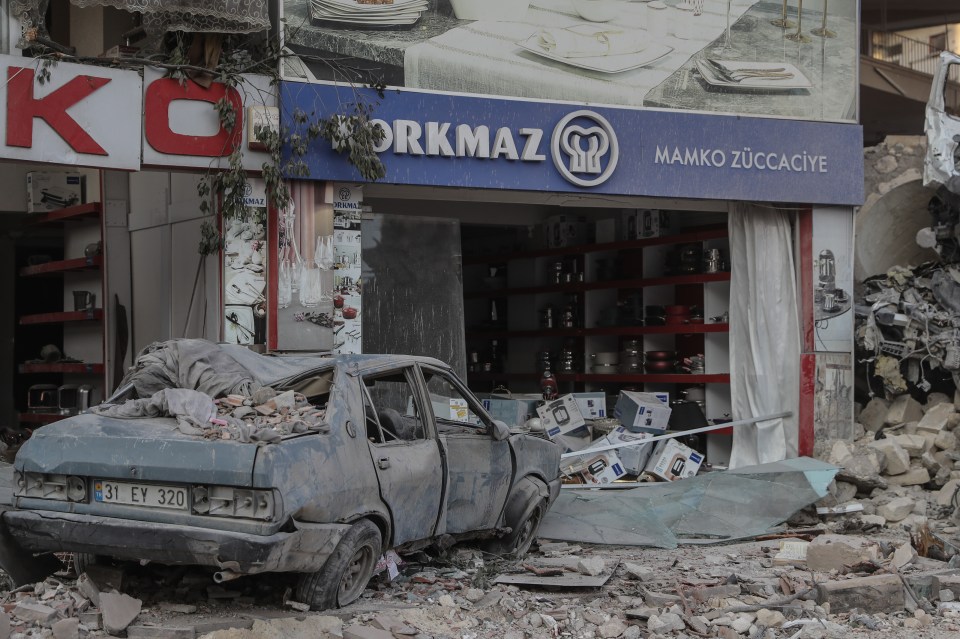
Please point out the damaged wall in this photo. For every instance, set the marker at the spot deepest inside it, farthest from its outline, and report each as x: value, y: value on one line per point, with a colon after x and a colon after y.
x: 895, y: 207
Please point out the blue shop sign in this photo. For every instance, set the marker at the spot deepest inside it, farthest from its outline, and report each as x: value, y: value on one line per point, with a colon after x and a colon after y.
x: 434, y: 139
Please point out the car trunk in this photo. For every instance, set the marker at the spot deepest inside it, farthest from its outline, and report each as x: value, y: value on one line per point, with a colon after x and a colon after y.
x: 149, y: 449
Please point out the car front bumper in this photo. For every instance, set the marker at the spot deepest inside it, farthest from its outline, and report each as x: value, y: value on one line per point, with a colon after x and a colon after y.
x: 303, y: 550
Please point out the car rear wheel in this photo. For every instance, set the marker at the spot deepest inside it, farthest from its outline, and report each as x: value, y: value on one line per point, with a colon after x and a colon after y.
x: 83, y: 560
x: 346, y: 572
x: 525, y: 512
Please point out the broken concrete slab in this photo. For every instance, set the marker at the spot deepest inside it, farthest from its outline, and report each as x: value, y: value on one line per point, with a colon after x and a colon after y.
x: 876, y: 593
x: 916, y: 445
x: 936, y: 419
x: 34, y: 612
x: 641, y: 573
x: 945, y: 497
x: 913, y: 477
x: 896, y: 509
x: 833, y: 552
x: 936, y: 398
x: 666, y: 623
x: 874, y: 414
x: 591, y: 566
x: 903, y: 409
x: 88, y: 589
x: 118, y: 611
x: 161, y: 632
x: 945, y: 440
x: 67, y: 629
x: 357, y: 631
x: 897, y: 459
x: 611, y: 629
x: 903, y: 555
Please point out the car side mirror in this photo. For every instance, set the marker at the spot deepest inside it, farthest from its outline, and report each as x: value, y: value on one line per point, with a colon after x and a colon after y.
x: 500, y: 431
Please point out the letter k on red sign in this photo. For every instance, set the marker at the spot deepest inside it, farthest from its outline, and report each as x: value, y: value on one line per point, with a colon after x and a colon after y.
x: 23, y: 107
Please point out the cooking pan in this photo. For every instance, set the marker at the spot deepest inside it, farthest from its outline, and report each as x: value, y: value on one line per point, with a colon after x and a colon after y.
x: 678, y: 319
x: 661, y: 356
x: 656, y: 366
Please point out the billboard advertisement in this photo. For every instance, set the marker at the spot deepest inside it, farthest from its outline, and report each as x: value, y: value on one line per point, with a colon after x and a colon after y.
x: 786, y: 59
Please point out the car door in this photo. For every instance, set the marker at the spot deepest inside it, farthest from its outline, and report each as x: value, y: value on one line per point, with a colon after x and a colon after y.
x: 479, y: 469
x: 405, y: 452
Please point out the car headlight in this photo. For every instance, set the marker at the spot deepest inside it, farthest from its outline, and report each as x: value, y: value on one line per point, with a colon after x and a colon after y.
x: 50, y: 486
x: 225, y: 501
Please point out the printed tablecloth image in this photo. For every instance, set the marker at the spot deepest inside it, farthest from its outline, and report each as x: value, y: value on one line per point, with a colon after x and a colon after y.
x: 707, y: 55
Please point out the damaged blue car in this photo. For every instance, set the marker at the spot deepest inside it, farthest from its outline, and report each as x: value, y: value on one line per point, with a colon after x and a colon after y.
x: 214, y: 455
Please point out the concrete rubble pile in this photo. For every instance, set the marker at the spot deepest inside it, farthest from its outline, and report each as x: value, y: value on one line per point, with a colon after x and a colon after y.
x: 281, y: 413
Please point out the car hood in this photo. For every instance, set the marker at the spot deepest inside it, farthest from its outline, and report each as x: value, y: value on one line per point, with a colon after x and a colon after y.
x: 149, y: 449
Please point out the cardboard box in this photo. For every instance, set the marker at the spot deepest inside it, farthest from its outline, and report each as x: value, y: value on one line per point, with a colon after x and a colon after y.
x: 564, y: 424
x: 642, y: 412
x: 671, y: 460
x: 510, y: 411
x: 633, y: 458
x: 53, y: 190
x: 566, y: 230
x: 592, y: 405
x: 643, y: 223
x: 601, y: 468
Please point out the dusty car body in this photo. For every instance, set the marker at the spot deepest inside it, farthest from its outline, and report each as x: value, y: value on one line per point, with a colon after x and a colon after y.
x: 407, y: 457
x: 943, y: 130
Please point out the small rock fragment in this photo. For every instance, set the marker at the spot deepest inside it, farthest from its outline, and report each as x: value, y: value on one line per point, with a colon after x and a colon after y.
x: 67, y: 629
x: 118, y: 611
x: 591, y: 566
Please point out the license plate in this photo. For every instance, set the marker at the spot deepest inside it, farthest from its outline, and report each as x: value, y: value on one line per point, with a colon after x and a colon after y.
x: 116, y: 492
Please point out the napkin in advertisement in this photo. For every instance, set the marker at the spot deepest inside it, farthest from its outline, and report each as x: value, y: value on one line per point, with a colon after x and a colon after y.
x: 589, y: 42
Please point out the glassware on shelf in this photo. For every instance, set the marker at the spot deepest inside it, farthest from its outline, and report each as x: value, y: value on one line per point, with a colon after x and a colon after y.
x: 290, y: 249
x: 783, y: 22
x: 325, y: 259
x: 798, y: 36
x: 284, y: 284
x: 822, y: 30
x: 311, y: 286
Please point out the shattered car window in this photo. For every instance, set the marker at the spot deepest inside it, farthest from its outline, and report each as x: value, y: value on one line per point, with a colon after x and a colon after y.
x: 448, y: 402
x: 390, y: 404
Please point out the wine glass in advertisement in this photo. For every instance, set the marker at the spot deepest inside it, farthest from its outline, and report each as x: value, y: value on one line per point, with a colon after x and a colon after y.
x: 284, y: 284
x: 822, y: 30
x: 783, y: 22
x: 725, y: 50
x: 797, y: 36
x: 310, y: 286
x: 325, y: 258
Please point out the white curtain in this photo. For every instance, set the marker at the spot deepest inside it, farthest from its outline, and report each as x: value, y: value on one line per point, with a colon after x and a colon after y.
x: 201, y: 16
x: 764, y: 334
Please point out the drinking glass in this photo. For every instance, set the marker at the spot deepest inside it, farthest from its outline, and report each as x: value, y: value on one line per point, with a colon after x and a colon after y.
x: 782, y: 21
x: 797, y: 36
x: 284, y: 285
x: 310, y: 286
x: 822, y: 30
x: 725, y: 50
x: 325, y: 259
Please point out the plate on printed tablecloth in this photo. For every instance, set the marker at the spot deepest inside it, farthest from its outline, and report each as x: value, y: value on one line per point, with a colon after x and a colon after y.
x: 653, y: 52
x: 398, y: 13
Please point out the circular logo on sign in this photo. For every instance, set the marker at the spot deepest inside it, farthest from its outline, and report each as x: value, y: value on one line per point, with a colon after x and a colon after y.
x: 344, y: 194
x: 585, y: 148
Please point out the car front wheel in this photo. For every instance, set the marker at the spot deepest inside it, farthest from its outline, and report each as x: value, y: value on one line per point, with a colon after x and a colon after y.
x: 525, y: 511
x: 346, y: 572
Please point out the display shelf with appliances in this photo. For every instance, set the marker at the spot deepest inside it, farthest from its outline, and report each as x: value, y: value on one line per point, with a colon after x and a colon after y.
x: 618, y: 293
x: 75, y: 377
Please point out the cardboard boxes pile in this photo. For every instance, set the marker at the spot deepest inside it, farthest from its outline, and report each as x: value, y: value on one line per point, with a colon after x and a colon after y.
x: 53, y: 190
x: 641, y: 417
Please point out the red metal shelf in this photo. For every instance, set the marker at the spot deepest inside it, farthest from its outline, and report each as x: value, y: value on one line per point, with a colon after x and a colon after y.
x: 694, y: 235
x: 579, y: 287
x: 41, y: 418
x: 78, y: 212
x: 63, y: 316
x: 61, y: 367
x: 673, y: 329
x: 63, y: 266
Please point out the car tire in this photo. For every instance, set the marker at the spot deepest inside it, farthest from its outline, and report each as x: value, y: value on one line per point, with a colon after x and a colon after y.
x: 345, y: 574
x: 525, y: 512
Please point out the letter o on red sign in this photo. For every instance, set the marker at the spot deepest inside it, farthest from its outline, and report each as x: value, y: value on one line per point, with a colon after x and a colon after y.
x: 162, y: 93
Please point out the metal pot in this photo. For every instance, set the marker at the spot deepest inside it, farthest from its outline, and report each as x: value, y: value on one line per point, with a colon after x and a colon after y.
x: 659, y: 366
x: 661, y: 356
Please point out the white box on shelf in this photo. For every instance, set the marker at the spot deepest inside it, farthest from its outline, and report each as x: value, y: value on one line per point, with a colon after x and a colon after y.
x: 643, y: 223
x: 671, y: 460
x: 53, y: 190
x: 642, y: 412
x: 565, y: 230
